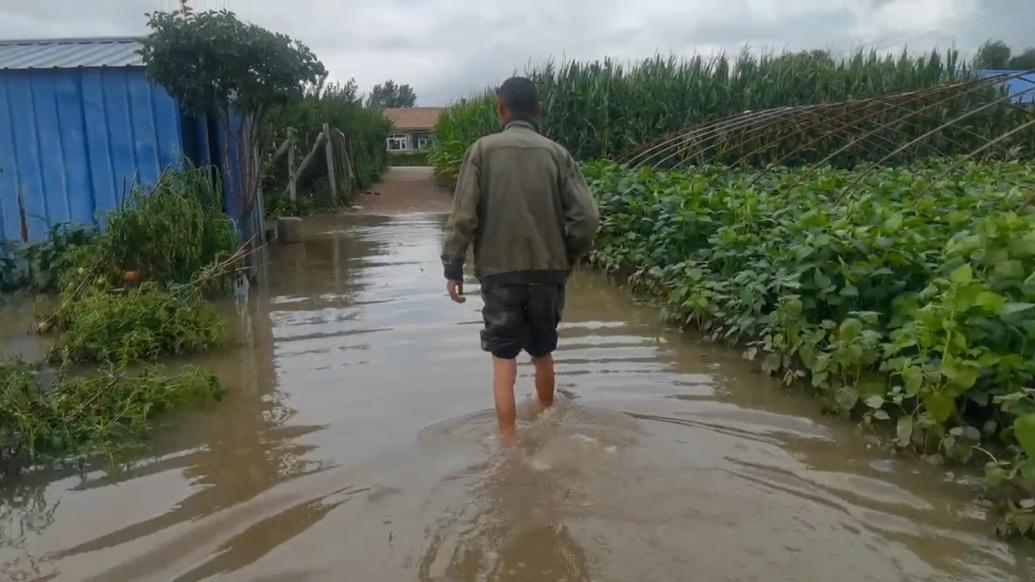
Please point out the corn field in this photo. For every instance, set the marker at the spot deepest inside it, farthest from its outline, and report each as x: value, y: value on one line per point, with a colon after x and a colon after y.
x: 601, y: 109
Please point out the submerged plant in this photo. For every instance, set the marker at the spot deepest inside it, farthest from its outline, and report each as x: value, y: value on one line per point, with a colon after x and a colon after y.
x: 102, y: 412
x: 138, y: 325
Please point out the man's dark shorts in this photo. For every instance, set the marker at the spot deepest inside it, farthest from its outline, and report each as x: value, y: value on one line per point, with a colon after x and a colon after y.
x: 521, y: 317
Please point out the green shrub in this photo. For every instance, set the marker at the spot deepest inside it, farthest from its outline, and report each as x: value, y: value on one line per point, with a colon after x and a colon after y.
x: 50, y: 262
x: 408, y: 159
x: 138, y: 325
x: 169, y: 233
x: 901, y: 306
x: 78, y: 416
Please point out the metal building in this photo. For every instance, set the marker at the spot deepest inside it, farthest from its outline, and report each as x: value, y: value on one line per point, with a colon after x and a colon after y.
x: 80, y: 124
x: 1020, y: 84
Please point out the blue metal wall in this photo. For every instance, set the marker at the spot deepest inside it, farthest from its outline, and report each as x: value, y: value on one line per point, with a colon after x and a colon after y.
x: 73, y: 141
x: 1023, y: 86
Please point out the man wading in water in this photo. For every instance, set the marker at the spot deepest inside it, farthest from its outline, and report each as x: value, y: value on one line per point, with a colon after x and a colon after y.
x: 524, y: 205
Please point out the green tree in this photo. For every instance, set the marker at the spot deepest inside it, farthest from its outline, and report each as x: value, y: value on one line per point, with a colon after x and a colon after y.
x: 389, y: 94
x: 1024, y: 61
x: 217, y: 65
x: 994, y: 54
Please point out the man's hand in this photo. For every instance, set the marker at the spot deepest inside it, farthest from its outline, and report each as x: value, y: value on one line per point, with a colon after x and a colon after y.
x: 456, y: 291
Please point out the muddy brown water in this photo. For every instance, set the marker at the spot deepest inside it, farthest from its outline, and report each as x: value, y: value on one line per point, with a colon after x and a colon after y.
x: 357, y: 443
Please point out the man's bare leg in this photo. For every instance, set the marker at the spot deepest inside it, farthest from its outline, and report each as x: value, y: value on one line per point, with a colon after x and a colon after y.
x: 504, y: 374
x: 544, y: 380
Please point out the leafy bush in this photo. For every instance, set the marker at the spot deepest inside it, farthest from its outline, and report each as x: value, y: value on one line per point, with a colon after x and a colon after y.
x: 169, y: 233
x: 408, y: 159
x: 138, y: 325
x: 51, y: 261
x: 900, y: 305
x: 101, y: 412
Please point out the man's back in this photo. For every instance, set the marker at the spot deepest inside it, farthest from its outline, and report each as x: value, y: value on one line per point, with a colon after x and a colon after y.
x: 528, y: 205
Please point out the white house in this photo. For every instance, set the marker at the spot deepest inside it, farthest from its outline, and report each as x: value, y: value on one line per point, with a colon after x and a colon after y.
x: 411, y: 128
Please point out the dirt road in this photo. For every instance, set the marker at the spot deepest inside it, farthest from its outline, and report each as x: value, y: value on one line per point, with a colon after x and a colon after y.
x: 406, y: 190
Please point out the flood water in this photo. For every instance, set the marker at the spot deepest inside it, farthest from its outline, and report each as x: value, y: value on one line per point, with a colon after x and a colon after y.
x: 357, y: 442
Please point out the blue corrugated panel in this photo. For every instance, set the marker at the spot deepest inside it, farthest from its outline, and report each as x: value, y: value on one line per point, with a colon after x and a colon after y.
x: 74, y: 141
x: 1022, y: 86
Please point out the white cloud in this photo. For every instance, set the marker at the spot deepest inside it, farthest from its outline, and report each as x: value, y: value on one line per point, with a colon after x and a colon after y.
x: 449, y: 48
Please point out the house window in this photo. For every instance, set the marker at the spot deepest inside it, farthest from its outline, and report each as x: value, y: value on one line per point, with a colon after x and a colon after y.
x: 398, y: 142
x: 423, y: 141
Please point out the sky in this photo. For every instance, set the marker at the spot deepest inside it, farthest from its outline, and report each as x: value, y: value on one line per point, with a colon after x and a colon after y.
x: 448, y: 49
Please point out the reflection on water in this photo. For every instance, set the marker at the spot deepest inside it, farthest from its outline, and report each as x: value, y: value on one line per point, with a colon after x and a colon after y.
x: 355, y: 443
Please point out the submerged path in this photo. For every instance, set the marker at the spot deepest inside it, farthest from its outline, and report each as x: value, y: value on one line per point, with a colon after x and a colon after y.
x: 357, y: 443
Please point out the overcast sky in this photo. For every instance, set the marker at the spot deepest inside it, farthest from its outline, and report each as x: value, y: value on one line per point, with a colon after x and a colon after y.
x: 450, y: 48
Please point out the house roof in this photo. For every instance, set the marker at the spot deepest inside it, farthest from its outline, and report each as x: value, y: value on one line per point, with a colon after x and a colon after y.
x: 413, y: 118
x: 70, y: 53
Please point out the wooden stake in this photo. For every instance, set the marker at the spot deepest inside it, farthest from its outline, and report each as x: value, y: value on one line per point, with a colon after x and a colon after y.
x: 292, y: 178
x: 330, y: 163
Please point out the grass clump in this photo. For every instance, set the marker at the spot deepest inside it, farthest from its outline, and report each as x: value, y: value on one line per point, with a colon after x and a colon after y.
x: 138, y: 325
x: 103, y: 412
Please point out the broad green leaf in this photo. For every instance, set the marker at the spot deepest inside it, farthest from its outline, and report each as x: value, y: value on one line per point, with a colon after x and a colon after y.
x: 990, y: 301
x: 881, y: 415
x: 846, y: 398
x: 939, y: 405
x: 1013, y: 308
x: 850, y: 328
x: 913, y: 377
x: 904, y: 430
x: 995, y: 475
x: 874, y: 401
x: 821, y: 280
x: 1025, y: 522
x: 793, y: 307
x: 966, y: 377
x: 963, y: 274
x: 1024, y: 432
x: 1009, y: 270
x: 893, y: 223
x: 1024, y: 246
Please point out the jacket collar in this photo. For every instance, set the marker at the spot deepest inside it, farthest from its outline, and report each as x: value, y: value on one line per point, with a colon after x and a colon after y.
x: 520, y: 123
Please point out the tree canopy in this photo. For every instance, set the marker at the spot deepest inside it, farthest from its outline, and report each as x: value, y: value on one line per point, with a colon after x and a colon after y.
x: 211, y: 61
x: 390, y: 94
x: 996, y: 54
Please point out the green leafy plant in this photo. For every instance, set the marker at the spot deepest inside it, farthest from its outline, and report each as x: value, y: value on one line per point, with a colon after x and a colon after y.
x: 408, y: 159
x: 169, y: 232
x: 917, y: 312
x: 50, y: 261
x: 103, y: 412
x: 138, y: 325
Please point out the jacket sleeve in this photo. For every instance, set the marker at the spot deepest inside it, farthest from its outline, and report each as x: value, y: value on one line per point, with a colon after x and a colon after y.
x: 581, y: 216
x: 463, y: 222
